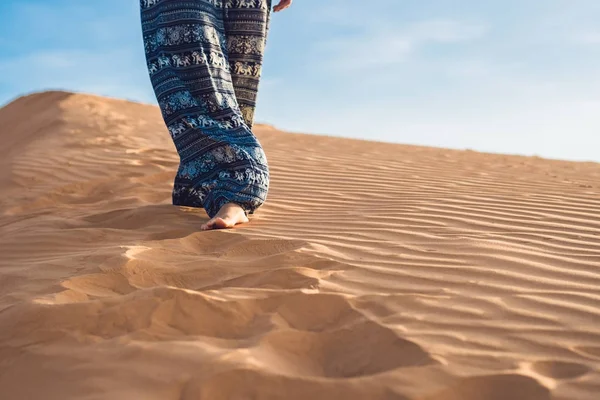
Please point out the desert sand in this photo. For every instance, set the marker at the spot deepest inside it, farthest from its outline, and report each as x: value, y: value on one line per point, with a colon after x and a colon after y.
x: 375, y: 271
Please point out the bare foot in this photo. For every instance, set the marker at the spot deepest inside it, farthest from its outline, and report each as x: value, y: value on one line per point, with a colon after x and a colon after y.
x: 229, y: 215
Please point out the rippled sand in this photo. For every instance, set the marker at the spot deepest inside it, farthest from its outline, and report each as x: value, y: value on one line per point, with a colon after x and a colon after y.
x: 375, y: 271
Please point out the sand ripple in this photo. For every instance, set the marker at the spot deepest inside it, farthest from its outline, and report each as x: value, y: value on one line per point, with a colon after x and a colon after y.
x: 375, y: 271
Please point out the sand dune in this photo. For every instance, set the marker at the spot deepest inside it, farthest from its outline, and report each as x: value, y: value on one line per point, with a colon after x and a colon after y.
x: 375, y: 271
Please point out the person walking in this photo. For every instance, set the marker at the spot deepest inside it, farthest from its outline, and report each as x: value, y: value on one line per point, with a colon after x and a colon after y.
x: 204, y: 59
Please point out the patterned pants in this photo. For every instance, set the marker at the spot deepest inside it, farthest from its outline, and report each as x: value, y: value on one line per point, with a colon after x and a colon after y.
x: 204, y: 58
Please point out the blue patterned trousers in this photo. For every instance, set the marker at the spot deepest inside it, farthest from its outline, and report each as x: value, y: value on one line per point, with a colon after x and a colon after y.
x: 204, y: 58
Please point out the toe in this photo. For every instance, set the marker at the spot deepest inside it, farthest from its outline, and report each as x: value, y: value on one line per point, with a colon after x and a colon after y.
x: 209, y: 225
x: 217, y: 223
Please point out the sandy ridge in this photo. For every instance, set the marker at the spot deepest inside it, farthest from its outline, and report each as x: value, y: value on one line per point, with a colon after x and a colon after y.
x: 376, y: 271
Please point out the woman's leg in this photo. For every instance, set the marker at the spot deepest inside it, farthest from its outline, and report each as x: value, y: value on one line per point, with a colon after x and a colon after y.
x: 222, y: 162
x: 246, y: 27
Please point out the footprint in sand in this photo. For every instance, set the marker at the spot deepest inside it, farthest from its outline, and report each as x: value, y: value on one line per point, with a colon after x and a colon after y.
x: 559, y: 370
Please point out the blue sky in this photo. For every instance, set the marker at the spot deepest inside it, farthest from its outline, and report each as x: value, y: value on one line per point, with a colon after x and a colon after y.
x: 511, y: 76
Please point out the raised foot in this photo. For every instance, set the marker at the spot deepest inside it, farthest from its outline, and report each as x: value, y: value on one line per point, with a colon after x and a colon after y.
x: 229, y: 215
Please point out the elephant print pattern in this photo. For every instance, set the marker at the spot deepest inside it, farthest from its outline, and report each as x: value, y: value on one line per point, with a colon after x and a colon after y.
x: 205, y: 58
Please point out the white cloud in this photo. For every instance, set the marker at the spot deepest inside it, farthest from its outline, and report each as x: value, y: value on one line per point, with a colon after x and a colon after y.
x: 445, y: 31
x: 116, y: 73
x: 382, y: 45
x: 589, y: 37
x: 358, y: 52
x: 80, y: 47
